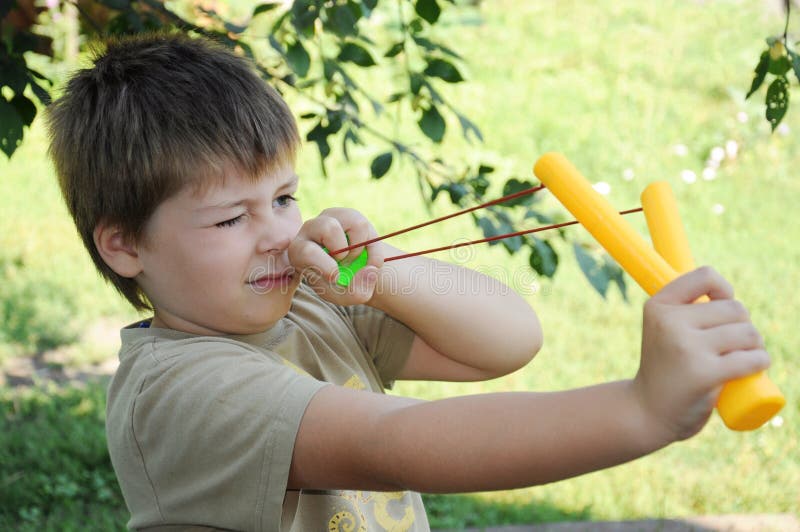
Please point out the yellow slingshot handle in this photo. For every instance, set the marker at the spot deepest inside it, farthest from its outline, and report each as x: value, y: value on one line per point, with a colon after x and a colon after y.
x: 744, y: 404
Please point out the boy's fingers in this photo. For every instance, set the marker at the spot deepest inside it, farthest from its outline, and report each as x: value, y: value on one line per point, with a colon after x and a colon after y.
x: 738, y: 364
x: 327, y: 231
x: 690, y: 286
x: 314, y: 262
x: 734, y: 337
x: 717, y: 312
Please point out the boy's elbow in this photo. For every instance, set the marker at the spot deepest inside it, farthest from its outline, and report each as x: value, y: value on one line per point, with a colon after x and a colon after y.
x: 531, y: 341
x: 523, y: 344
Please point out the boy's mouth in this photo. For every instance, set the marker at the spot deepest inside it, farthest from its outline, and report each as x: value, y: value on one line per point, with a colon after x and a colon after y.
x: 264, y: 283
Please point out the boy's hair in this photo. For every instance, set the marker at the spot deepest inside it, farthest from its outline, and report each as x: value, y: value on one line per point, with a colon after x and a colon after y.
x: 153, y: 114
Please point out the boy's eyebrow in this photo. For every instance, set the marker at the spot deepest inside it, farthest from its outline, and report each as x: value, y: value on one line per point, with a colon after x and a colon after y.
x: 290, y: 183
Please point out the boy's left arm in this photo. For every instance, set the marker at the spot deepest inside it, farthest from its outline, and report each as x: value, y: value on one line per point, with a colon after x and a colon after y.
x: 469, y: 326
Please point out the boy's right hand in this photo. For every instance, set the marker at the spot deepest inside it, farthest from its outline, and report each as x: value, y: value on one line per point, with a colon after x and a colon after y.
x: 689, y: 350
x: 334, y: 229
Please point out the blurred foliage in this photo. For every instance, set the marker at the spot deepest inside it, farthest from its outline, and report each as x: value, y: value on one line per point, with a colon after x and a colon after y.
x: 36, y: 313
x: 318, y: 50
x: 777, y: 60
x: 64, y: 478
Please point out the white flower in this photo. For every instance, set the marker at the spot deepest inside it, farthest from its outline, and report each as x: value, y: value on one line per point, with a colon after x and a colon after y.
x: 718, y: 209
x: 777, y: 421
x: 688, y: 176
x: 717, y: 154
x: 732, y: 149
x: 783, y: 129
x: 628, y: 174
x: 602, y: 187
x: 709, y: 173
x: 680, y: 150
x: 742, y: 117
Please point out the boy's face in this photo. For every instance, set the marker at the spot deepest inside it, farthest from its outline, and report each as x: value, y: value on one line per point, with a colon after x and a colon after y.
x: 215, y: 261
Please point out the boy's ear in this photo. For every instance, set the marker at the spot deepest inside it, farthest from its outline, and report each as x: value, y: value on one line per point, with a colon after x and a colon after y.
x: 117, y: 251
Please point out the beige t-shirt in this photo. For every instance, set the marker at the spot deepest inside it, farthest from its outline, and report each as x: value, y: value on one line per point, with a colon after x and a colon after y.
x: 201, y: 428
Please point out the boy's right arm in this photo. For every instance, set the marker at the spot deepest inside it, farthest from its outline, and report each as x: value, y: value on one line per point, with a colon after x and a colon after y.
x: 360, y: 440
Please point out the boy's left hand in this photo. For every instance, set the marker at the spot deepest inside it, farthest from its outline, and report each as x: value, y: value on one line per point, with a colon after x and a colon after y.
x: 333, y: 229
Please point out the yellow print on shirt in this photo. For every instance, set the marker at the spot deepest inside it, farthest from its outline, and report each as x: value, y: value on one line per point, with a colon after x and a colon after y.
x: 385, y: 506
x: 355, y: 383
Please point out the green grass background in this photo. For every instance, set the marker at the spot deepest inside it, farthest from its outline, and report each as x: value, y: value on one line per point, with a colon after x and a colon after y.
x: 615, y: 85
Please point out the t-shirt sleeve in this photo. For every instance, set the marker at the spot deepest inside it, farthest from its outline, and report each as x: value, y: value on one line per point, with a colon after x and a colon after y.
x: 388, y: 340
x: 216, y: 431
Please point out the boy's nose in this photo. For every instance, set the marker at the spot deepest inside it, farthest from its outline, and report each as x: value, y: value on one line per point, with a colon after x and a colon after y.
x: 276, y: 238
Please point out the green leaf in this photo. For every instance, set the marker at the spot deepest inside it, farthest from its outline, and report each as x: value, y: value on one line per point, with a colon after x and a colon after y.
x: 416, y: 81
x: 506, y: 226
x: 592, y: 269
x: 444, y: 70
x: 488, y: 228
x: 394, y: 50
x: 41, y: 93
x: 431, y: 46
x: 14, y: 73
x: 357, y: 54
x: 779, y: 66
x: 428, y: 10
x: 777, y: 100
x: 479, y: 184
x: 456, y: 191
x: 539, y: 217
x: 11, y: 125
x: 304, y: 13
x: 319, y: 134
x: 298, y: 58
x: 513, y: 186
x: 380, y: 165
x: 432, y: 124
x: 759, y: 73
x: 342, y: 20
x: 26, y: 109
x: 263, y: 8
x: 543, y: 259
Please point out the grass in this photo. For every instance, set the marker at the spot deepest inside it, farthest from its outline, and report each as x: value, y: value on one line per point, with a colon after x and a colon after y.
x: 614, y: 85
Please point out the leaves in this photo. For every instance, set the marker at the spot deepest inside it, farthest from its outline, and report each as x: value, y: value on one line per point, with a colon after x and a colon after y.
x: 263, y: 8
x: 543, y: 258
x: 600, y: 271
x: 513, y: 186
x: 298, y: 58
x: 432, y: 124
x: 759, y: 73
x: 777, y: 101
x: 380, y: 165
x: 11, y: 125
x: 444, y: 70
x: 428, y: 10
x: 355, y: 53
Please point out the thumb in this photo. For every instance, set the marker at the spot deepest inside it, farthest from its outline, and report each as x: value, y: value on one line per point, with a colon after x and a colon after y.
x: 690, y: 286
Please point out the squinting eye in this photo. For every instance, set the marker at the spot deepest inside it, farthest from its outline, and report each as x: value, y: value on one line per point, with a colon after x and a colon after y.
x: 285, y: 200
x: 231, y: 222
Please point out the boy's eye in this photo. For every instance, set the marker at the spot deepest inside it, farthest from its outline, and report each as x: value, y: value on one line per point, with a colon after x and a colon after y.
x: 231, y: 222
x: 285, y: 200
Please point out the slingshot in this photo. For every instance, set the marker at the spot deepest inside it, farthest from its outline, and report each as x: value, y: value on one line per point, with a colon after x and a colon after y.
x: 743, y: 404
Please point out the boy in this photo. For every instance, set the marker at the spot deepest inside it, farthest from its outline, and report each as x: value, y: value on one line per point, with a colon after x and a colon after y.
x: 252, y: 400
